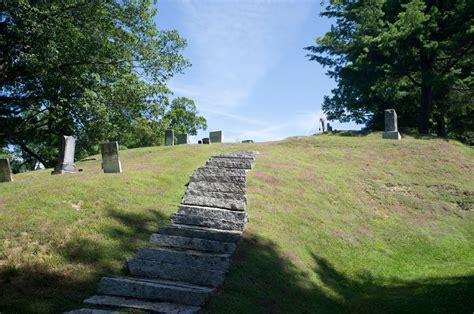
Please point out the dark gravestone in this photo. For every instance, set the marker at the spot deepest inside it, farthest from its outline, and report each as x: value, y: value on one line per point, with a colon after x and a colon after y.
x: 323, y: 127
x: 5, y: 170
x: 206, y: 140
x: 247, y: 141
x: 182, y: 138
x: 391, y: 125
x: 110, y: 157
x: 216, y: 137
x: 65, y: 163
x: 199, y: 142
x: 329, y: 127
x: 169, y: 138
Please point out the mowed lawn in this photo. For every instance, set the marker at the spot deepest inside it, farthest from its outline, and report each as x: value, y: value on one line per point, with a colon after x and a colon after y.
x: 338, y: 224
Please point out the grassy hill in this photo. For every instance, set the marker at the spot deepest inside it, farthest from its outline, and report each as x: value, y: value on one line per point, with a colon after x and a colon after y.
x: 338, y: 224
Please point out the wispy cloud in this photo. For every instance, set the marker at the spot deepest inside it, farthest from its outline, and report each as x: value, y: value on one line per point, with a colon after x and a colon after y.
x: 234, y: 45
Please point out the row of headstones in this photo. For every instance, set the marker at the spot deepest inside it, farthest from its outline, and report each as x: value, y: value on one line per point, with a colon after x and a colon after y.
x: 183, y: 138
x: 109, y: 151
x: 325, y: 127
x: 391, y: 125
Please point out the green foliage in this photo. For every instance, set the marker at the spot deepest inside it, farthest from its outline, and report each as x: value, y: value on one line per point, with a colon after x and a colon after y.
x: 183, y: 117
x: 414, y: 56
x: 93, y: 69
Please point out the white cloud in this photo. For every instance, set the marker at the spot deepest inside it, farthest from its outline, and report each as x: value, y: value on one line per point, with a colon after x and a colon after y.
x: 235, y: 43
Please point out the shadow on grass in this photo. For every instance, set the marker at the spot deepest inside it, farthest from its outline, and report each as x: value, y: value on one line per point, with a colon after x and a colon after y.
x: 262, y: 281
x: 37, y: 288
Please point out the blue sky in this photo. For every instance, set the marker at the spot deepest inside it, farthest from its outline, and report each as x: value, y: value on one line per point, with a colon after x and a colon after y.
x: 249, y: 75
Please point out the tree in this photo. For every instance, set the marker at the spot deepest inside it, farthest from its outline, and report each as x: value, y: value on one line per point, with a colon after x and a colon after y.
x: 183, y: 117
x: 86, y: 68
x: 409, y: 55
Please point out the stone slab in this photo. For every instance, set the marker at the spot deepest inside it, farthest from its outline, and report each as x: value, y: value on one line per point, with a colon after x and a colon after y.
x: 201, y: 232
x: 391, y: 120
x: 65, y: 162
x: 160, y: 290
x: 92, y: 311
x: 224, y: 187
x: 186, y: 258
x: 206, y: 140
x: 152, y: 269
x: 241, y: 155
x: 391, y: 135
x: 214, y: 213
x: 5, y: 170
x: 110, y: 157
x: 182, y: 138
x: 155, y: 307
x: 242, y: 163
x: 192, y: 243
x: 169, y: 138
x: 215, y: 199
x: 216, y: 137
x: 201, y: 221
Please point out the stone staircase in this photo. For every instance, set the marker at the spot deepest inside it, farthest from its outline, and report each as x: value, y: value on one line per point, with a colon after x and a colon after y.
x: 187, y: 260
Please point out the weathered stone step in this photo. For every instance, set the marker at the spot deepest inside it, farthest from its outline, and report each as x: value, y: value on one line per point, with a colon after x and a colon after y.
x: 215, y: 174
x: 243, y: 155
x: 199, y: 276
x: 156, y: 289
x: 186, y: 258
x: 224, y: 187
x: 201, y: 232
x: 230, y: 163
x: 213, y: 213
x: 201, y: 221
x: 155, y: 307
x: 215, y: 199
x: 92, y: 311
x: 192, y: 243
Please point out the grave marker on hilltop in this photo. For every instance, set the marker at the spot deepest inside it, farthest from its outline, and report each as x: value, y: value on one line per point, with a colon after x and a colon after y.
x: 169, y: 138
x: 216, y: 137
x: 5, y: 170
x: 67, y: 146
x: 110, y: 157
x: 391, y: 125
x: 183, y: 138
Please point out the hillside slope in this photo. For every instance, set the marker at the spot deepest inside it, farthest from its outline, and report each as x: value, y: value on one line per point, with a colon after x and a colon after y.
x: 338, y: 224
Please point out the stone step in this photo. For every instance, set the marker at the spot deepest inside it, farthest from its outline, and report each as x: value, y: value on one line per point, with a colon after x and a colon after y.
x: 213, y: 213
x: 201, y: 233
x: 215, y: 199
x: 92, y: 311
x: 154, y: 289
x: 201, y: 221
x: 192, y: 243
x: 242, y: 155
x: 230, y: 163
x: 215, y: 174
x: 224, y: 187
x: 186, y: 258
x: 198, y: 276
x: 155, y: 307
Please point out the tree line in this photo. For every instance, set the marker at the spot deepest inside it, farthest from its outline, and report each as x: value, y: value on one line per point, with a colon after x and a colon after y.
x: 416, y: 56
x: 96, y: 69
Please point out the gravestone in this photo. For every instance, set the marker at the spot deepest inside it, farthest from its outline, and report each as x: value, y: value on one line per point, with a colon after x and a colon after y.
x: 183, y: 138
x: 5, y: 170
x: 247, y: 141
x: 391, y: 125
x: 65, y: 163
x: 199, y: 142
x: 329, y: 127
x: 322, y: 124
x: 169, y: 138
x: 110, y: 157
x: 206, y: 140
x: 216, y: 136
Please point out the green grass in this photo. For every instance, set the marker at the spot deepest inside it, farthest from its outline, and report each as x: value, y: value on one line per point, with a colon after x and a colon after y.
x: 338, y: 224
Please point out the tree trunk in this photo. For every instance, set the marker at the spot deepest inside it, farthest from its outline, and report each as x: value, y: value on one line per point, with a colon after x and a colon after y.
x: 426, y: 67
x: 425, y: 109
x: 441, y: 125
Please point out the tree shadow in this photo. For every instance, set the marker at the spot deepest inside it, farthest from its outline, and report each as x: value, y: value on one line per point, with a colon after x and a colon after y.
x: 38, y: 288
x: 262, y: 281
